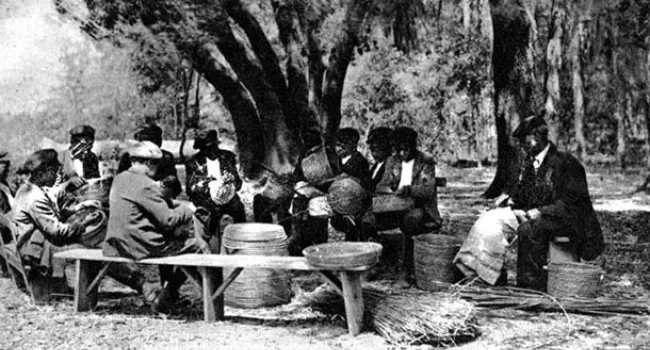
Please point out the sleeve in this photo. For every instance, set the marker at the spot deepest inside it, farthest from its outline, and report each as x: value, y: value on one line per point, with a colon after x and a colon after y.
x: 426, y: 187
x: 570, y: 189
x: 91, y: 166
x: 151, y: 201
x: 190, y: 170
x: 48, y: 222
x: 125, y: 162
x: 231, y: 166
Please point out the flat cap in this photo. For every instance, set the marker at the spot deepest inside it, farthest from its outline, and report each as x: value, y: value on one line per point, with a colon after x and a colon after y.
x: 149, y: 133
x: 82, y: 130
x: 205, y: 138
x: 146, y: 150
x: 41, y: 159
x: 379, y: 135
x: 531, y: 125
x: 348, y: 135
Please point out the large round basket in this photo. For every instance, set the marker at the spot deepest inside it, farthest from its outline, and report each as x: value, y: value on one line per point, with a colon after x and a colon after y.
x: 347, y: 197
x: 95, y: 189
x: 343, y: 254
x: 434, y: 255
x: 318, y: 166
x: 390, y: 203
x: 95, y: 231
x: 256, y: 287
x: 573, y: 279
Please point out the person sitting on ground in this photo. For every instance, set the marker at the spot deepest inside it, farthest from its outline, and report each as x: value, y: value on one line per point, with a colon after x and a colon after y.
x: 409, y: 173
x: 167, y: 174
x: 549, y: 199
x: 380, y: 148
x: 41, y: 230
x: 142, y: 221
x: 352, y: 162
x: 79, y: 160
x: 213, y: 181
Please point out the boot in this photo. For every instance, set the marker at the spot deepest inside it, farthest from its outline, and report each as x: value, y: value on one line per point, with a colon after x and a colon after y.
x: 165, y: 300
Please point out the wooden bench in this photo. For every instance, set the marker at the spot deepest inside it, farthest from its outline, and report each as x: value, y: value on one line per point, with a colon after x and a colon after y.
x: 92, y: 266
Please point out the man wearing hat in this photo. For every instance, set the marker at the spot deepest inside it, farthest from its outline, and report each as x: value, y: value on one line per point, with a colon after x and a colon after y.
x: 143, y: 223
x: 213, y: 182
x: 353, y: 163
x: 549, y: 199
x: 167, y: 174
x: 41, y: 230
x: 380, y: 148
x: 79, y: 160
x: 410, y: 173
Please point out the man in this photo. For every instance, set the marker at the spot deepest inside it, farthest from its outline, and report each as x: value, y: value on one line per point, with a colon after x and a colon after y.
x: 79, y: 160
x: 142, y: 222
x: 41, y: 230
x: 6, y: 192
x: 410, y: 173
x: 550, y: 199
x: 167, y: 174
x: 213, y: 182
x: 380, y: 149
x: 352, y: 162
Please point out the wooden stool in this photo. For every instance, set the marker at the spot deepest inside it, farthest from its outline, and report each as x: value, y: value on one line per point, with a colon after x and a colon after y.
x: 559, y: 251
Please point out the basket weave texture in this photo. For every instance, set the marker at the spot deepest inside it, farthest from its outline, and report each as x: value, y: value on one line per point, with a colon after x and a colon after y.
x: 433, y: 255
x: 573, y: 279
x: 343, y: 254
x: 391, y: 203
x: 347, y: 197
x: 256, y: 287
x: 317, y: 166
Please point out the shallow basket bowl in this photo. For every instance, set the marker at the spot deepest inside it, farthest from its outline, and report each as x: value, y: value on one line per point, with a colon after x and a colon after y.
x: 343, y: 254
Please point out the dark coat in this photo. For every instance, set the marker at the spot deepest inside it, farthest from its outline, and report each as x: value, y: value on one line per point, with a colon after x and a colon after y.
x: 423, y: 182
x: 374, y: 181
x: 357, y: 167
x: 90, y: 166
x: 140, y: 218
x: 197, y: 173
x: 559, y: 190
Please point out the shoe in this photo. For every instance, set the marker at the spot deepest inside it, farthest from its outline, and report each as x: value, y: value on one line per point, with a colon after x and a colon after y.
x: 165, y: 300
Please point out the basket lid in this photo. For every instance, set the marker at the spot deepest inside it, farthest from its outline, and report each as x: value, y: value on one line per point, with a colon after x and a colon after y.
x: 254, y: 232
x: 341, y: 249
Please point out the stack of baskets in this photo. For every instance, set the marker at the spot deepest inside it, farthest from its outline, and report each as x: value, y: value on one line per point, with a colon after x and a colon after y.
x: 256, y: 287
x: 434, y: 255
x: 571, y: 279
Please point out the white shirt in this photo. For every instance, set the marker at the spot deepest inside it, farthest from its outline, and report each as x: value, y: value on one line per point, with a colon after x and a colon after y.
x: 379, y: 165
x: 78, y: 167
x: 214, y: 168
x: 407, y: 173
x: 345, y: 159
x: 539, y: 159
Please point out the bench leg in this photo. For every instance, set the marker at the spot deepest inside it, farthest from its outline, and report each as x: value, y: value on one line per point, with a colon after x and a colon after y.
x: 212, y: 308
x: 353, y: 299
x: 85, y: 298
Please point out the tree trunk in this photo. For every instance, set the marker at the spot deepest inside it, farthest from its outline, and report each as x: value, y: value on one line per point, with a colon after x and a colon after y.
x: 576, y: 51
x: 619, y: 95
x: 404, y: 29
x: 553, y: 66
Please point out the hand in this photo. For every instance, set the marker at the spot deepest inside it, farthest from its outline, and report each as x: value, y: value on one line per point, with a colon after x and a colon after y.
x: 75, y: 183
x: 191, y: 206
x: 92, y: 203
x: 520, y: 214
x: 79, y: 149
x: 404, y: 191
x: 534, y: 214
x: 90, y: 219
x: 168, y: 181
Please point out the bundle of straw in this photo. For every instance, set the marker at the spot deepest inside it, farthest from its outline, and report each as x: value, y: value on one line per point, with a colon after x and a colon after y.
x: 412, y: 318
x: 525, y: 299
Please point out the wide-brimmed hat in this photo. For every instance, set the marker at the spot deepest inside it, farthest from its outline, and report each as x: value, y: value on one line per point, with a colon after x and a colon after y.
x: 348, y: 135
x: 146, y: 150
x: 532, y: 125
x: 41, y: 159
x: 83, y: 130
x: 205, y: 138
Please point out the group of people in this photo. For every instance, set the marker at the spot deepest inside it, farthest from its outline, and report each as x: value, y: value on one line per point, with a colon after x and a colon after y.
x: 145, y: 218
x: 549, y: 198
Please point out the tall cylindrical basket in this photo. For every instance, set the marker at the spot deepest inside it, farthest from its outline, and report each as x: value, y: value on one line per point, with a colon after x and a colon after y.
x: 434, y: 255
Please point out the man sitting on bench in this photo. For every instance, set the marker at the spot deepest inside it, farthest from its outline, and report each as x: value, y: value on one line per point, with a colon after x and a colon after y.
x: 143, y: 224
x: 549, y: 199
x: 41, y: 231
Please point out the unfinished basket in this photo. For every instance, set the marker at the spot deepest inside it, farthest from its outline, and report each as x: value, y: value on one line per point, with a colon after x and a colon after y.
x: 434, y: 255
x: 343, y: 254
x: 573, y: 279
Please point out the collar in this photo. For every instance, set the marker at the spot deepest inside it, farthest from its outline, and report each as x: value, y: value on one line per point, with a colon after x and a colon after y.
x: 345, y: 159
x: 539, y: 158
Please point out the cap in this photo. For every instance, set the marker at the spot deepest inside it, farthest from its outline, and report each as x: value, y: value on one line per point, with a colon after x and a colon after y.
x: 530, y: 125
x: 348, y: 135
x: 145, y: 150
x: 404, y: 135
x: 205, y: 138
x: 41, y: 159
x: 379, y: 135
x: 82, y: 130
x: 149, y: 133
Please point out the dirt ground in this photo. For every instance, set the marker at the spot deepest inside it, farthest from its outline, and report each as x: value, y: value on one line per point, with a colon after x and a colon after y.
x: 122, y: 321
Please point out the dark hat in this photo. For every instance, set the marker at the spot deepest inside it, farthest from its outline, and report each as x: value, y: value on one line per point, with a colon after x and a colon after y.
x: 41, y: 159
x: 82, y: 130
x: 379, y: 135
x: 534, y: 124
x: 404, y: 135
x: 151, y: 133
x: 205, y: 138
x: 348, y: 135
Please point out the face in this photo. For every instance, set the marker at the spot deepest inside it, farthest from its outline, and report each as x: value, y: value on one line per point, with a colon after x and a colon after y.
x: 46, y: 176
x: 379, y: 152
x: 404, y: 151
x: 533, y: 144
x: 152, y: 167
x: 344, y: 149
